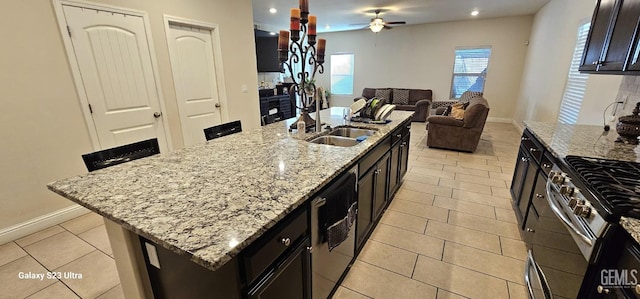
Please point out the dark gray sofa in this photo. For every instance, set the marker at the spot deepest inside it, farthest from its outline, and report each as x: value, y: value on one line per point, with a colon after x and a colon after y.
x: 419, y: 100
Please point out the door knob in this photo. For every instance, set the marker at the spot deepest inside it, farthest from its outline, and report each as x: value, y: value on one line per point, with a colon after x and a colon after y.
x: 217, y: 105
x: 157, y: 114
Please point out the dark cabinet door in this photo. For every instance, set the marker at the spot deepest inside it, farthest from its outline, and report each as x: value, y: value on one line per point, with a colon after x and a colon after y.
x: 404, y: 156
x: 365, y: 206
x: 623, y: 31
x: 527, y: 187
x: 597, y: 39
x: 289, y: 279
x: 394, y: 169
x: 381, y: 183
x: 522, y: 163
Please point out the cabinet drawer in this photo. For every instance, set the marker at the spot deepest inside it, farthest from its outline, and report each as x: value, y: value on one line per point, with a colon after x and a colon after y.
x: 271, y: 246
x: 532, y: 146
x: 373, y: 156
x: 401, y: 132
x: 547, y: 163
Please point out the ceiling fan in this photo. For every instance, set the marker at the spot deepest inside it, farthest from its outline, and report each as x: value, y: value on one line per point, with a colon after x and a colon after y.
x: 377, y: 23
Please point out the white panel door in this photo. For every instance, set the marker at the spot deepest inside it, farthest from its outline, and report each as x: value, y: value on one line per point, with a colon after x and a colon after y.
x: 194, y: 76
x: 114, y: 60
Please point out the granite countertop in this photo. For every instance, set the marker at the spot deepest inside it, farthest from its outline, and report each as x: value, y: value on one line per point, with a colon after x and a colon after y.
x: 212, y: 200
x: 584, y: 140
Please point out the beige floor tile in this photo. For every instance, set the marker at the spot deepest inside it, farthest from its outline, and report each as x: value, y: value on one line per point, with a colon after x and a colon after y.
x: 11, y: 251
x: 114, y: 293
x: 427, y: 153
x: 484, y: 224
x: 83, y: 223
x: 465, y: 206
x: 444, y: 294
x: 414, y: 242
x: 502, y: 164
x: 427, y: 188
x: 484, y: 199
x: 404, y: 221
x: 420, y: 210
x: 513, y: 248
x: 432, y: 172
x: 501, y: 192
x: 344, y: 293
x: 43, y: 234
x: 517, y: 291
x: 466, y: 186
x: 410, y: 176
x: 468, y: 159
x: 478, y: 155
x: 415, y: 196
x: 97, y: 237
x: 501, y: 176
x: 98, y: 272
x: 459, y: 280
x: 506, y: 215
x: 379, y: 283
x: 483, y: 181
x: 466, y: 236
x: 388, y: 257
x: 12, y: 286
x: 57, y: 290
x: 480, y: 166
x: 483, y: 261
x: 426, y: 165
x: 433, y: 160
x: 58, y: 250
x: 470, y: 171
x: 508, y: 158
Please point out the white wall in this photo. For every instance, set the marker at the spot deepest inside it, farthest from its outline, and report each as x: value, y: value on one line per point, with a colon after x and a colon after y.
x: 421, y: 56
x: 553, y: 39
x: 42, y: 130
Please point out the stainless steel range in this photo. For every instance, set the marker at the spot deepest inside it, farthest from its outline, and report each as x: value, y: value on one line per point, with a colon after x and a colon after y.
x: 578, y: 216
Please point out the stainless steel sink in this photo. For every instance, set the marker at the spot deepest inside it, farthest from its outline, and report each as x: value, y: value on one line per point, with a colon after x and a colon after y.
x: 335, y: 140
x: 351, y: 132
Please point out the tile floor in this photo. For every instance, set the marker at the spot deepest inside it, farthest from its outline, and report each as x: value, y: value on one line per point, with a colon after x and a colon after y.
x: 449, y: 233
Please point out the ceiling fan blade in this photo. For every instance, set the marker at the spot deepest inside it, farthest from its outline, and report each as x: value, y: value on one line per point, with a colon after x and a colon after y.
x: 387, y: 27
x: 395, y: 23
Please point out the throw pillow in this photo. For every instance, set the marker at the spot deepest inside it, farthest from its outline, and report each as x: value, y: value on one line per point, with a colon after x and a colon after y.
x: 401, y: 96
x: 447, y: 111
x: 468, y: 95
x: 457, y: 111
x: 383, y: 94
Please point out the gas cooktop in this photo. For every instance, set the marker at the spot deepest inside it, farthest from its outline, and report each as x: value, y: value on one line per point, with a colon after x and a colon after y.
x: 615, y: 184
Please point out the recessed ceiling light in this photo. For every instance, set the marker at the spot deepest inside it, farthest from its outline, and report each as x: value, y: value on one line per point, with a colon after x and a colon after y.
x: 327, y: 27
x: 273, y: 10
x: 474, y: 13
x: 272, y: 33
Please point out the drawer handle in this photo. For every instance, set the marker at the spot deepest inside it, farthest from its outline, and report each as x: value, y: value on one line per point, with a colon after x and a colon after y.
x: 399, y: 135
x: 524, y: 139
x: 524, y: 159
x: 538, y: 195
x: 309, y: 249
x: 286, y: 242
x: 533, y: 150
x: 602, y: 290
x: 530, y: 230
x: 545, y: 165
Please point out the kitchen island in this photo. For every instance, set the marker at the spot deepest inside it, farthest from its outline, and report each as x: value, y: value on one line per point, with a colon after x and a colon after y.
x: 211, y: 201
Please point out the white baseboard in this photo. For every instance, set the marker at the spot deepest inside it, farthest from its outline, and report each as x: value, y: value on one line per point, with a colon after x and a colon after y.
x: 517, y: 125
x: 499, y: 120
x: 39, y: 223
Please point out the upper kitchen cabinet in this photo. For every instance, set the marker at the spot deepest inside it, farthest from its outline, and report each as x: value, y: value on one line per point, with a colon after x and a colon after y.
x: 611, y: 38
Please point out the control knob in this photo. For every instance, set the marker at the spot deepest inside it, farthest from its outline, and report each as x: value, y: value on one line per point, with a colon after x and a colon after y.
x: 582, y: 210
x: 566, y: 190
x: 573, y: 202
x: 558, y: 178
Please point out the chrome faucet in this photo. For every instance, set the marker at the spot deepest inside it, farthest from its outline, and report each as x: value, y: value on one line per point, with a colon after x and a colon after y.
x: 318, y: 122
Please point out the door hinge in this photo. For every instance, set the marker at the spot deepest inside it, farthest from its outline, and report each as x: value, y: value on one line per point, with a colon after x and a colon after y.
x: 90, y: 109
x: 69, y: 30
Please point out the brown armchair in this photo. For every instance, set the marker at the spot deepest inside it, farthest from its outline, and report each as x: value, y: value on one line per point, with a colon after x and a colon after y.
x: 461, y: 135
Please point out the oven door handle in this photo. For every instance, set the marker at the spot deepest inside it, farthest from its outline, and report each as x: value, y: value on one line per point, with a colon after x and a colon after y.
x: 563, y: 218
x: 543, y: 280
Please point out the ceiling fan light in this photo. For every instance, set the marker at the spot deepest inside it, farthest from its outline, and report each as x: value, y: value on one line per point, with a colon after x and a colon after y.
x: 376, y: 25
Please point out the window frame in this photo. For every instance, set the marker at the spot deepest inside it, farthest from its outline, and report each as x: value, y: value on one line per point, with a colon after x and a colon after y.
x: 573, y: 95
x: 352, y: 72
x: 454, y: 74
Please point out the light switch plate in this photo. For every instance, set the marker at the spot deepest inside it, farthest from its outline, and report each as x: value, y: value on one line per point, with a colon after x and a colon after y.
x: 153, y: 255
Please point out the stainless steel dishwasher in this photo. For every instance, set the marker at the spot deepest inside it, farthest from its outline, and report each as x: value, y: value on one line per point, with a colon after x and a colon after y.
x: 328, y: 266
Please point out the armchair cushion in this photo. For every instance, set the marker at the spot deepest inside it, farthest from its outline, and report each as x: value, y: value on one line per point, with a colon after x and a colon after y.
x: 476, y: 112
x: 445, y: 120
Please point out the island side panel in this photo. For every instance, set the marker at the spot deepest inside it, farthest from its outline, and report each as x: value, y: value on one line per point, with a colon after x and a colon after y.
x: 130, y: 264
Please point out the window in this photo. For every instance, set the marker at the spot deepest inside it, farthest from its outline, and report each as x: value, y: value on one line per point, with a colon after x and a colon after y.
x: 342, y: 74
x: 469, y: 70
x: 576, y: 82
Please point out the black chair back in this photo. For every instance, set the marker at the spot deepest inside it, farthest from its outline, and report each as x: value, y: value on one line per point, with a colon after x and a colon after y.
x: 121, y: 154
x: 223, y: 130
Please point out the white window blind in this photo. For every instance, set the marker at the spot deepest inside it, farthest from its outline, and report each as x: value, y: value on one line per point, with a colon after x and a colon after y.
x: 342, y: 74
x: 576, y: 82
x: 469, y: 70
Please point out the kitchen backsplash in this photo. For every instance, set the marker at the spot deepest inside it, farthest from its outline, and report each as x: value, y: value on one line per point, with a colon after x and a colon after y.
x: 629, y: 89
